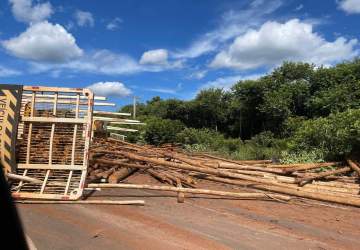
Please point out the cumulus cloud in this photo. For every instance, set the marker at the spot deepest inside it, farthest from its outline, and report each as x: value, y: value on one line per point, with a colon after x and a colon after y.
x: 26, y: 11
x: 227, y: 82
x: 6, y: 72
x: 232, y: 24
x: 84, y: 18
x: 157, y: 56
x: 114, y: 24
x: 44, y: 42
x: 350, y: 6
x: 116, y: 89
x: 275, y: 42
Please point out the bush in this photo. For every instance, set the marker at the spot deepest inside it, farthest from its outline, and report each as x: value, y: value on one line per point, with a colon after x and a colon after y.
x: 336, y: 135
x: 159, y: 131
x: 302, y: 157
x: 263, y: 139
x: 205, y: 140
x: 198, y: 136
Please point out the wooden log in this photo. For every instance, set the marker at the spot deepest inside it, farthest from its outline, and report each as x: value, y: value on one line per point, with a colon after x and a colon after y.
x: 245, y: 167
x: 299, y: 165
x: 310, y: 166
x: 238, y: 162
x: 185, y: 178
x: 98, y: 202
x: 33, y: 180
x: 184, y: 159
x: 216, y: 172
x: 181, y: 195
x: 121, y: 174
x: 23, y: 178
x: 176, y: 179
x: 196, y: 191
x: 352, y: 201
x: 159, y: 176
x: 303, y: 181
x: 121, y: 163
x: 354, y: 166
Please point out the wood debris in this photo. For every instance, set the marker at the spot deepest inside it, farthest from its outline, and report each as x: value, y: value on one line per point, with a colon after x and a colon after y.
x: 113, y: 161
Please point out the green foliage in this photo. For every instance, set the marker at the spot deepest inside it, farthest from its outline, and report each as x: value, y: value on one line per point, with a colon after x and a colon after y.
x: 335, y: 135
x: 311, y: 113
x: 315, y: 155
x: 263, y: 139
x: 159, y: 131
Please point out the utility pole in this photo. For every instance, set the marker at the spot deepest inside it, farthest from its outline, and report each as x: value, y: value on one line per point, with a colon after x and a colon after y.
x: 135, y: 98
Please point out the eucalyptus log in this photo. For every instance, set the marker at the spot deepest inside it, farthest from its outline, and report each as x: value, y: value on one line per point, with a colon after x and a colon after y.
x: 348, y: 200
x: 354, y: 166
x: 310, y: 166
x: 196, y: 191
x: 245, y: 167
x: 121, y: 163
x: 300, y: 165
x: 305, y: 180
x: 121, y: 174
x: 216, y: 172
x: 161, y: 177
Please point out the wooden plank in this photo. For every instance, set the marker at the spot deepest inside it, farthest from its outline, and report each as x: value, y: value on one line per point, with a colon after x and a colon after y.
x: 110, y: 119
x: 52, y: 166
x: 73, y: 144
x: 99, y: 202
x: 111, y: 113
x: 128, y: 123
x: 30, y: 128
x: 55, y: 89
x: 99, y: 98
x: 51, y: 144
x: 54, y: 120
x: 110, y: 104
x: 121, y: 129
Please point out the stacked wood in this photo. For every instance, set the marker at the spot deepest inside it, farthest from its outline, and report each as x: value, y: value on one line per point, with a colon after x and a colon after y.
x: 169, y: 165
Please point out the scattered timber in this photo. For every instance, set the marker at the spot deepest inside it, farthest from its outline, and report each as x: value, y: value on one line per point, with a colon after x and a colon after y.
x: 181, y: 172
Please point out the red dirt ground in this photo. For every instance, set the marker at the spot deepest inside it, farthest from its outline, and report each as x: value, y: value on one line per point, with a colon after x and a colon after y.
x: 199, y: 223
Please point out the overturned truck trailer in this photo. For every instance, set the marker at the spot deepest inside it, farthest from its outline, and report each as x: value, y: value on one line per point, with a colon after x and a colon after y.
x: 50, y: 131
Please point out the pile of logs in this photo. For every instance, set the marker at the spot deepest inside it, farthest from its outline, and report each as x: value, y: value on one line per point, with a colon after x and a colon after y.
x: 113, y: 161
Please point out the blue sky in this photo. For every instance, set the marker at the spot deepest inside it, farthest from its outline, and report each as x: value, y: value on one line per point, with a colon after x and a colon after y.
x: 168, y: 48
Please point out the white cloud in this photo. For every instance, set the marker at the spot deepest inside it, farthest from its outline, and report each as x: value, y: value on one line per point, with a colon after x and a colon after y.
x: 84, y: 18
x: 299, y: 7
x: 44, y: 42
x: 166, y: 90
x: 157, y: 57
x: 232, y: 24
x: 350, y: 6
x: 6, y: 72
x: 198, y: 74
x: 104, y: 62
x: 275, y: 42
x: 114, y: 24
x: 116, y: 89
x: 227, y: 82
x: 26, y: 11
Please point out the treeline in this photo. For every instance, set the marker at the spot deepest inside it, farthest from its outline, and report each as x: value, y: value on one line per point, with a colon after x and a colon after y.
x: 297, y: 108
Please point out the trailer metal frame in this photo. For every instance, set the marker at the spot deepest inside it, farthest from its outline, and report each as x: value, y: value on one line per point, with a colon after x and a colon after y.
x: 56, y: 129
